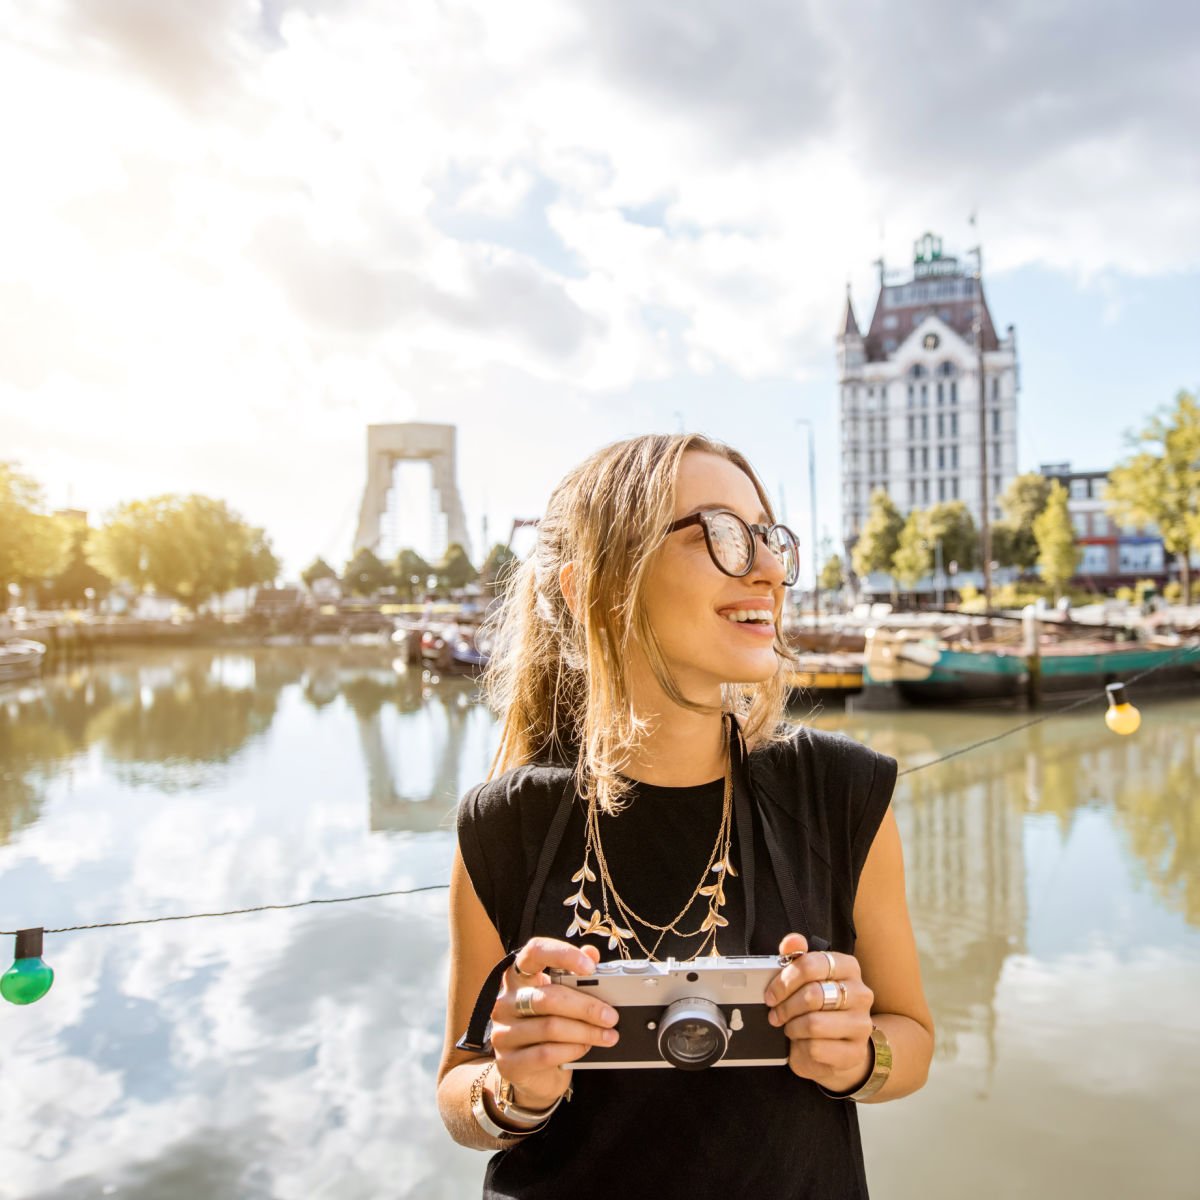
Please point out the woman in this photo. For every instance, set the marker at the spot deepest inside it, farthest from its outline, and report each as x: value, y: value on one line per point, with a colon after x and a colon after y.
x: 640, y: 672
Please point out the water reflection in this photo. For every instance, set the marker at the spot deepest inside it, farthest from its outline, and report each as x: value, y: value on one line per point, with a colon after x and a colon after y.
x: 1053, y: 880
x: 177, y: 722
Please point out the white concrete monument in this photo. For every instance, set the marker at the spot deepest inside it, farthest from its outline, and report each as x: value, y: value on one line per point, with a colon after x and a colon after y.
x: 413, y: 441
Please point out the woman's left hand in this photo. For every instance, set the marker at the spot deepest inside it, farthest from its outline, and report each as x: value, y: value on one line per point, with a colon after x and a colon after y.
x: 830, y: 1046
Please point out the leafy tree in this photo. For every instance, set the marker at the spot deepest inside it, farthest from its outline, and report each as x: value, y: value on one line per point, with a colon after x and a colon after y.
x: 455, y: 569
x: 1058, y: 555
x: 258, y: 564
x: 913, y: 558
x: 1160, y: 484
x: 190, y: 548
x: 407, y: 566
x: 951, y: 523
x: 317, y: 569
x: 833, y: 574
x: 365, y: 574
x: 497, y: 567
x: 880, y: 537
x: 1013, y: 543
x: 34, y: 546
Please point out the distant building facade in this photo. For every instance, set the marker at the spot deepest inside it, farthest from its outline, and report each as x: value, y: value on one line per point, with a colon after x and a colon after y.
x: 1113, y: 555
x: 909, y: 393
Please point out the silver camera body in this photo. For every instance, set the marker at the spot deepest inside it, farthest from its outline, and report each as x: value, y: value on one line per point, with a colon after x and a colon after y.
x: 690, y: 1015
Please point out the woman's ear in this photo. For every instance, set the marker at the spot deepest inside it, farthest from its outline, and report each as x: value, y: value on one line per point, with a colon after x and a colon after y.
x: 566, y: 584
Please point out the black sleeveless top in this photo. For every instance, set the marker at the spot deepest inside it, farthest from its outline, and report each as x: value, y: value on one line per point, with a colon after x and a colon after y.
x: 758, y: 1131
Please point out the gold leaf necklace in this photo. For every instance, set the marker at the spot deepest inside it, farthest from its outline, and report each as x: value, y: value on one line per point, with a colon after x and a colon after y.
x: 617, y: 921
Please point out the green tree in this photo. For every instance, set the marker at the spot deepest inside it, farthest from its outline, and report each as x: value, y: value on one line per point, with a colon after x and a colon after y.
x: 455, y: 569
x: 1058, y: 555
x: 34, y: 545
x: 317, y: 569
x: 913, y: 558
x: 833, y: 575
x: 951, y: 523
x: 1013, y: 543
x: 497, y: 567
x: 879, y: 539
x: 257, y: 564
x: 190, y: 548
x: 365, y: 574
x: 1160, y: 484
x: 407, y: 566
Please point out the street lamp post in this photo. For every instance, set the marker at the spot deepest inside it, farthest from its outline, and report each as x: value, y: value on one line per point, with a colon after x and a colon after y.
x: 984, y: 501
x: 812, y: 506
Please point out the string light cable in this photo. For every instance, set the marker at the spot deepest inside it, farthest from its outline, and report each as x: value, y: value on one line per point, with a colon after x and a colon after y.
x: 28, y: 979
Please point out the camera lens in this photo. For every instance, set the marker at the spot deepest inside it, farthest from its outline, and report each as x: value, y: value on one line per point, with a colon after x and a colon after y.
x: 692, y: 1034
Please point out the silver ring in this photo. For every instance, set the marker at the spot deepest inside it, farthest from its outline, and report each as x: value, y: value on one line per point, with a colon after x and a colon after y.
x: 832, y: 995
x: 832, y: 964
x: 524, y: 1002
x: 844, y: 999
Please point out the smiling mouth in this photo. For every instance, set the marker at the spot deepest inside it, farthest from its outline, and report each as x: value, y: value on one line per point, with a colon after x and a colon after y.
x: 750, y: 616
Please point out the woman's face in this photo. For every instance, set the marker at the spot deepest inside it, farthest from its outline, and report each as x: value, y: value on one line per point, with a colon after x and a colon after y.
x: 691, y: 604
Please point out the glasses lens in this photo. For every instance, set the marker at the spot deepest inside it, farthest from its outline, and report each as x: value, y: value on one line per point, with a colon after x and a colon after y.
x: 782, y: 543
x: 730, y: 542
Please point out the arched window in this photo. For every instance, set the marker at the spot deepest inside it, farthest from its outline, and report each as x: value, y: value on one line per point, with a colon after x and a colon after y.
x: 947, y: 370
x: 917, y: 371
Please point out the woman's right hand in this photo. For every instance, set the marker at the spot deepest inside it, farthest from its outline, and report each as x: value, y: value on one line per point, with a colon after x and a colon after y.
x: 532, y: 1051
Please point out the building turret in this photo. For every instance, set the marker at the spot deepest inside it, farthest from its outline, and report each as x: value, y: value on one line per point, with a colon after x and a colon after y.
x: 849, y: 342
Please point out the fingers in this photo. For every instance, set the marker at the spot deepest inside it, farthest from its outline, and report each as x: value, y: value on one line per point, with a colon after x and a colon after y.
x: 812, y: 967
x: 826, y: 1058
x: 531, y: 1061
x: 810, y: 998
x: 540, y: 953
x: 793, y: 943
x: 533, y: 1031
x: 553, y: 1000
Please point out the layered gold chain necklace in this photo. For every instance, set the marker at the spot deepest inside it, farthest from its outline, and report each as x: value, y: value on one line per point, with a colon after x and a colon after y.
x: 615, y: 919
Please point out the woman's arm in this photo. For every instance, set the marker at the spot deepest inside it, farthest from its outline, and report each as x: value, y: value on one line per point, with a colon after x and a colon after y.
x: 881, y: 982
x: 529, y: 1050
x: 887, y: 953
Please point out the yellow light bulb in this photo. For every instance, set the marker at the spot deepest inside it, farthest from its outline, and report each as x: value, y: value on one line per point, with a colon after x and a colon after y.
x: 1121, y: 717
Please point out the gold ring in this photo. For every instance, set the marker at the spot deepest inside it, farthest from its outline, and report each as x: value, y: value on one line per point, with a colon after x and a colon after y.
x: 524, y: 1002
x: 831, y: 996
x: 832, y: 963
x: 523, y: 974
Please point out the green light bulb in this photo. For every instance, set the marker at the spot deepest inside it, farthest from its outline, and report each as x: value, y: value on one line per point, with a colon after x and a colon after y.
x: 28, y: 979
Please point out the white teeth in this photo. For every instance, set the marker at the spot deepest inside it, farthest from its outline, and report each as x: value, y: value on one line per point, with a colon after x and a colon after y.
x: 751, y: 614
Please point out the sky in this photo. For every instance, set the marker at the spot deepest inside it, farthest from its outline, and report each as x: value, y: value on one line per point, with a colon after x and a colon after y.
x: 235, y: 233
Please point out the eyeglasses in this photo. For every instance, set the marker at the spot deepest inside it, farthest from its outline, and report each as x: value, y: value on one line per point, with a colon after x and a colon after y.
x: 733, y: 543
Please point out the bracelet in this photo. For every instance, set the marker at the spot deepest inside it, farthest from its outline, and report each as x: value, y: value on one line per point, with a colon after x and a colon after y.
x: 881, y: 1068
x: 511, y: 1110
x: 507, y: 1109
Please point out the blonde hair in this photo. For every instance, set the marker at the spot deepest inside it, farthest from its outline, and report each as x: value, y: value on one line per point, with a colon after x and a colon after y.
x: 561, y: 683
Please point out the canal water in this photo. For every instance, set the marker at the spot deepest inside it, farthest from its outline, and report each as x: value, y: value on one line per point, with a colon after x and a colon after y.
x: 1054, y: 883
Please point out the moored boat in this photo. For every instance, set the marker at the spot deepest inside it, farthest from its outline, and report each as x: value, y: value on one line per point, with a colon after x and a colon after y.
x: 20, y: 658
x: 928, y: 670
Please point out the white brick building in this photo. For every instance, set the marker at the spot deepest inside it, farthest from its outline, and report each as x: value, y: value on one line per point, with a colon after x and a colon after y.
x: 909, y: 393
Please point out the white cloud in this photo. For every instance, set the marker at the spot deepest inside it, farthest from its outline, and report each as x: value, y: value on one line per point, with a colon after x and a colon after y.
x: 231, y: 256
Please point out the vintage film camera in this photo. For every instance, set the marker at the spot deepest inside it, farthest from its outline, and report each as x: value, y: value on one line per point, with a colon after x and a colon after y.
x: 690, y: 1015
